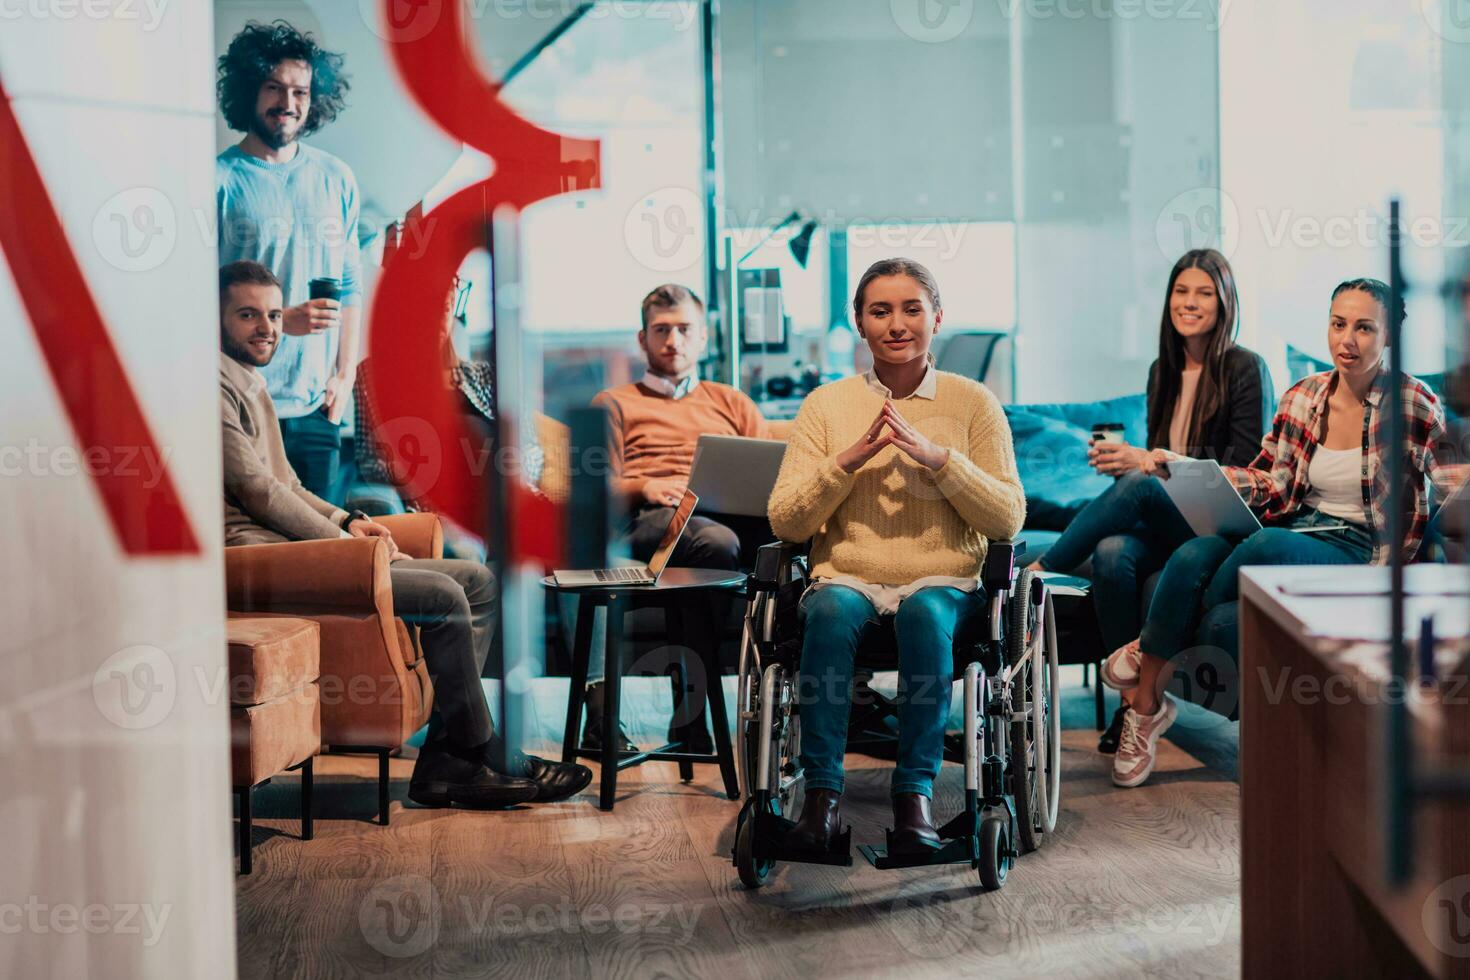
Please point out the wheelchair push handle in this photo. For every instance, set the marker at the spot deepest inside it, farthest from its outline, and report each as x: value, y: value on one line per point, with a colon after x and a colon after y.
x: 773, y: 563
x: 1000, y: 565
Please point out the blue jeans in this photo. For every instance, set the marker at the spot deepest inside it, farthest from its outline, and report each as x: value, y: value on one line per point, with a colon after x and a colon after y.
x: 836, y: 621
x: 1203, y: 576
x: 314, y: 450
x: 1129, y: 531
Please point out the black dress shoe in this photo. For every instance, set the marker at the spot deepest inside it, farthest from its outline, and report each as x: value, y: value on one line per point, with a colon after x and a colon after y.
x: 913, y: 828
x: 442, y: 779
x: 1107, y: 742
x: 592, y: 724
x: 555, y: 780
x: 820, y: 821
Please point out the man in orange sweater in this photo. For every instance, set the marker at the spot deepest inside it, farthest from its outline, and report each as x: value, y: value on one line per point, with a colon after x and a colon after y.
x: 655, y: 425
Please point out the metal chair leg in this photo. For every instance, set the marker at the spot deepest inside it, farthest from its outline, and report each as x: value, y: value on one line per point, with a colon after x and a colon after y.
x: 383, y: 786
x: 243, y: 792
x: 308, y: 828
x: 720, y: 723
x: 577, y: 695
x: 612, y: 697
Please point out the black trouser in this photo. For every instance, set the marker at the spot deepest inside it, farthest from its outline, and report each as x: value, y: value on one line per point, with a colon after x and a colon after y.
x: 453, y: 603
x: 706, y: 543
x: 314, y: 450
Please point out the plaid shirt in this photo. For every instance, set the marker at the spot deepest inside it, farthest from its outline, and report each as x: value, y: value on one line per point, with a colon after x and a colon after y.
x: 1276, y: 483
x: 474, y: 380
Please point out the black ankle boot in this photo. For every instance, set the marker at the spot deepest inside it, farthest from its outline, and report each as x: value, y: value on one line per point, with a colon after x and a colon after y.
x: 913, y: 828
x: 592, y: 723
x: 820, y: 821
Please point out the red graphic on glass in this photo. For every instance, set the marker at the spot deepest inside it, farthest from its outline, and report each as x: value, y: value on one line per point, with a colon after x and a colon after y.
x: 143, y: 507
x: 531, y: 164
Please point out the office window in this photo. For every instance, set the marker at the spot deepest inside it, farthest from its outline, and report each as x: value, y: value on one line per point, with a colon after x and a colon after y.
x: 631, y: 75
x: 974, y: 263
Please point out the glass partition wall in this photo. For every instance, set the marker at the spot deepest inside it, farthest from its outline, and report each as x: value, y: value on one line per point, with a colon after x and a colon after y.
x: 1033, y: 155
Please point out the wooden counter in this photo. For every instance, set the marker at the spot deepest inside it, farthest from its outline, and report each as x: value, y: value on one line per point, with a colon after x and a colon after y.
x: 1313, y: 688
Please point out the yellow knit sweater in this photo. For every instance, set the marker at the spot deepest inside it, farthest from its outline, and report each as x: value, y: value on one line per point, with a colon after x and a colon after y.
x: 895, y: 521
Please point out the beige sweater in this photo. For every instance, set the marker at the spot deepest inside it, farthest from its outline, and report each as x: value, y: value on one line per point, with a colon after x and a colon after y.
x: 895, y: 521
x: 264, y: 501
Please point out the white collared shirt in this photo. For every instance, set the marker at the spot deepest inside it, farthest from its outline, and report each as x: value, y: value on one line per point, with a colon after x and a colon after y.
x: 668, y: 388
x: 928, y: 385
x: 886, y: 598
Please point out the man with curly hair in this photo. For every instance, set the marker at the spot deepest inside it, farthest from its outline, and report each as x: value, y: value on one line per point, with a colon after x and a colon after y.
x: 294, y: 209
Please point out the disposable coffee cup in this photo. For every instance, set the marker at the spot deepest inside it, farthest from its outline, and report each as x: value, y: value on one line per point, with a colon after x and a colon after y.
x: 325, y: 289
x: 1109, y: 432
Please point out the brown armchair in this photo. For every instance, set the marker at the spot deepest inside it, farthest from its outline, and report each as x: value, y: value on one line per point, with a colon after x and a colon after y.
x: 375, y: 689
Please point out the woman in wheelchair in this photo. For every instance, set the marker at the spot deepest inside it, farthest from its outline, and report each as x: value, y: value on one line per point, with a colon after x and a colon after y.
x: 1321, y: 480
x: 898, y: 478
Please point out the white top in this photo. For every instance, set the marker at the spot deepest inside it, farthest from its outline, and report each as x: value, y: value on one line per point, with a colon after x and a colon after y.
x: 886, y: 598
x: 1336, y: 477
x: 1179, y: 424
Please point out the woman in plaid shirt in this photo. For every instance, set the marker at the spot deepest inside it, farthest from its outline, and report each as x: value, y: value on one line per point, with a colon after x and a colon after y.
x: 1321, y: 479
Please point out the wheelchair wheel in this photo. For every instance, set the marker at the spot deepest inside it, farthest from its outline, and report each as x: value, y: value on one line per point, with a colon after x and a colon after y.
x: 1026, y: 751
x: 753, y: 872
x: 1049, y: 722
x: 1035, y: 736
x: 995, y: 853
x: 747, y: 720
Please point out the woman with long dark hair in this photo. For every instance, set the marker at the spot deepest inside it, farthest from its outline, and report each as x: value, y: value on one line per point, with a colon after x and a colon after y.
x: 1321, y: 483
x: 1208, y: 397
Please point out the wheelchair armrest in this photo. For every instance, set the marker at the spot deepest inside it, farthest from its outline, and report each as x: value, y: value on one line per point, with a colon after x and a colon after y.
x: 1000, y: 565
x: 773, y: 563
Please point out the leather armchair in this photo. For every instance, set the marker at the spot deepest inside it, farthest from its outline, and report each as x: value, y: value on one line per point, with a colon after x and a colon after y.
x: 375, y: 689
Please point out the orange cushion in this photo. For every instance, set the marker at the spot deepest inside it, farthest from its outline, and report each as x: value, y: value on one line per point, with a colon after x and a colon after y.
x: 274, y: 736
x: 271, y: 657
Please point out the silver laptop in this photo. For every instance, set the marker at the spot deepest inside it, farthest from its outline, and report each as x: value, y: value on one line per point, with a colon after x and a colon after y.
x: 1209, y: 502
x: 734, y: 474
x: 636, y: 574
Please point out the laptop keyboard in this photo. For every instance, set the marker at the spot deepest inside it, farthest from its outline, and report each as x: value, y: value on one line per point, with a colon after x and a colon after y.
x: 621, y: 574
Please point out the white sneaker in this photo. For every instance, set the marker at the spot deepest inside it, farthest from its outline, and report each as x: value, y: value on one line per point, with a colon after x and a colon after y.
x: 1120, y: 670
x: 1139, y: 743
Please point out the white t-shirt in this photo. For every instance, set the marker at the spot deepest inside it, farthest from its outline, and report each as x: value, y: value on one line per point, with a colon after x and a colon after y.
x: 1336, y: 477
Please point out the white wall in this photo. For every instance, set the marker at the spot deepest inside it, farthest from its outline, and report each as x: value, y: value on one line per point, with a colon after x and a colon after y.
x: 1327, y: 109
x: 1120, y: 123
x: 108, y: 815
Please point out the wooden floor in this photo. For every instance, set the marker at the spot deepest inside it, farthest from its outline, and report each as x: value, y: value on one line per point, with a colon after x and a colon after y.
x: 1142, y: 882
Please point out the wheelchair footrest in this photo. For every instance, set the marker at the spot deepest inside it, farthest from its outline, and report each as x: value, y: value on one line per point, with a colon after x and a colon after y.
x: 960, y: 850
x: 771, y: 844
x: 962, y: 824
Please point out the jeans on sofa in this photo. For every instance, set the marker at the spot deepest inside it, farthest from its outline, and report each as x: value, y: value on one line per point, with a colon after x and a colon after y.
x: 1202, y: 576
x: 1129, y: 532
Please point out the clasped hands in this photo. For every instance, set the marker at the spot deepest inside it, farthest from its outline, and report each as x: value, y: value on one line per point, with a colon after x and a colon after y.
x: 372, y: 529
x: 891, y: 429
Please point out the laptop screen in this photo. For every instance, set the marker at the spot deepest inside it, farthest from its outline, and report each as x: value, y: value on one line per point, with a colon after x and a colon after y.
x: 682, y: 513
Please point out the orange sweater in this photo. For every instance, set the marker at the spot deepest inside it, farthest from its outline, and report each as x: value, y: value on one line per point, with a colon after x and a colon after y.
x: 654, y: 436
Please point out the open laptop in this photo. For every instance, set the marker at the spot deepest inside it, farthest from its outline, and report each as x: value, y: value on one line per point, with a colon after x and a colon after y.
x: 734, y: 474
x: 1209, y: 502
x: 636, y: 574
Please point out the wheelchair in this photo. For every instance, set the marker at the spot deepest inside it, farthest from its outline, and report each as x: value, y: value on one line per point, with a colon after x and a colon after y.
x: 1010, y: 745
